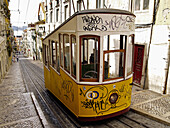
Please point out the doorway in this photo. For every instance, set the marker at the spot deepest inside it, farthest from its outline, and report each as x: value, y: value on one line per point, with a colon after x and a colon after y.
x: 138, y: 63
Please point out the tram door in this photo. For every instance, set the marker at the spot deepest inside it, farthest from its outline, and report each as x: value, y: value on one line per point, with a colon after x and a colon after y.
x: 138, y: 63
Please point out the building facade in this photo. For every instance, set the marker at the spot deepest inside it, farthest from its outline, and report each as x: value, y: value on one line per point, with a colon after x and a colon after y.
x: 151, y: 56
x: 5, y: 38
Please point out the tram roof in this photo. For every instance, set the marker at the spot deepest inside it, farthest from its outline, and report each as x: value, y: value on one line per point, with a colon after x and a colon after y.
x: 92, y: 11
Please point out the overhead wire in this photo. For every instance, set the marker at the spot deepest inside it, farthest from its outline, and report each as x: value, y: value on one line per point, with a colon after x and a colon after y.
x: 27, y: 9
x: 19, y: 15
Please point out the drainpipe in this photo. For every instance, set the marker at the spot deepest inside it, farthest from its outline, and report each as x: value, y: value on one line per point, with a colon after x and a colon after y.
x: 167, y: 72
x: 153, y: 22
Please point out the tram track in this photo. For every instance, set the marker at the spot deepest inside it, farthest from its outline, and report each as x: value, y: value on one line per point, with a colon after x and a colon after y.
x: 41, y: 78
x: 58, y: 113
x: 37, y: 81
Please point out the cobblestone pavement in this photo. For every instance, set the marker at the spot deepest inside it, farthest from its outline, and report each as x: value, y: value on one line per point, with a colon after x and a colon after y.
x: 152, y: 104
x: 18, y: 109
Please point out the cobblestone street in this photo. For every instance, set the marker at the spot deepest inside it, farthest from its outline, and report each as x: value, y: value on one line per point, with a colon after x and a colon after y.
x: 18, y: 108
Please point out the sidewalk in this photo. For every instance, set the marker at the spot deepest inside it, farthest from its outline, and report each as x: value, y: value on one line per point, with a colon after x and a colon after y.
x: 151, y: 104
x: 18, y: 108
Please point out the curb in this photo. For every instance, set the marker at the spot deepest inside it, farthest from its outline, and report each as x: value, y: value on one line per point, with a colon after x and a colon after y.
x: 39, y: 111
x: 158, y: 118
x: 151, y: 116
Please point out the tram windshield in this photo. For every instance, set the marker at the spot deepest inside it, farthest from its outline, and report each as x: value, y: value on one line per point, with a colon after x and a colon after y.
x: 114, y: 56
x: 90, y: 58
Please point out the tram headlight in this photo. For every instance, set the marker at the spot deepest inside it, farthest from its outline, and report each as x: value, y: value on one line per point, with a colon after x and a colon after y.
x: 113, y: 98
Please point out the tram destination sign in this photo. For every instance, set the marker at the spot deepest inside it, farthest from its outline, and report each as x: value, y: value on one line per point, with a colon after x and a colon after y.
x: 106, y: 22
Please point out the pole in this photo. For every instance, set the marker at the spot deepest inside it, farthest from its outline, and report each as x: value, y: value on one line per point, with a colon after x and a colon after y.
x: 167, y: 72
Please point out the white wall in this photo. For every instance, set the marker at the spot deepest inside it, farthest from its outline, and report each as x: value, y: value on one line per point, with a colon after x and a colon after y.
x: 157, y: 65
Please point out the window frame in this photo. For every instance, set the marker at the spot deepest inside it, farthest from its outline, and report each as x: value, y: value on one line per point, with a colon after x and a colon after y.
x: 80, y: 69
x: 64, y: 53
x: 57, y: 55
x: 65, y: 12
x: 49, y: 54
x: 57, y: 15
x: 54, y: 64
x: 72, y: 35
x: 51, y: 17
x: 141, y: 6
x: 133, y: 40
x: 113, y: 51
x: 61, y: 50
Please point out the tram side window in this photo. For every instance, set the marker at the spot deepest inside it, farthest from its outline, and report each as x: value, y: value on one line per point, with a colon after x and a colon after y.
x: 90, y: 59
x: 66, y: 52
x: 73, y: 55
x: 44, y: 54
x: 114, y: 56
x: 58, y: 56
x: 61, y: 50
x: 130, y: 54
x: 49, y: 54
x: 53, y: 54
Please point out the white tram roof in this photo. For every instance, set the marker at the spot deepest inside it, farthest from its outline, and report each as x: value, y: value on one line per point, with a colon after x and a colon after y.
x: 72, y: 24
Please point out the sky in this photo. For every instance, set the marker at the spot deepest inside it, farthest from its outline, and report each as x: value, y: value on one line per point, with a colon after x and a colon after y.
x: 23, y: 12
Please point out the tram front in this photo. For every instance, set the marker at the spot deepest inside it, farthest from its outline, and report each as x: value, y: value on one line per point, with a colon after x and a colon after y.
x: 106, y: 39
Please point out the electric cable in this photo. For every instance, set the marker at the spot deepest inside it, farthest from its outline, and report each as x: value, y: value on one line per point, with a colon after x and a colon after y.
x: 27, y: 9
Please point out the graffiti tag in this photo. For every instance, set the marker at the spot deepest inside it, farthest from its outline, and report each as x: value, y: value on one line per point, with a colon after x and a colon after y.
x: 97, y: 23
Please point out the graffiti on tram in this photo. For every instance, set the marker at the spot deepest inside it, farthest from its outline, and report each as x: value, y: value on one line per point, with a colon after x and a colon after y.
x: 97, y: 98
x: 97, y: 23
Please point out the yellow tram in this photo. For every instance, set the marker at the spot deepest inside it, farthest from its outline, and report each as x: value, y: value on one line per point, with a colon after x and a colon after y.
x: 88, y: 63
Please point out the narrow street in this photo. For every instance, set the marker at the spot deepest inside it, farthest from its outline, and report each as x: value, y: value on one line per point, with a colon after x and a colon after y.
x: 58, y: 116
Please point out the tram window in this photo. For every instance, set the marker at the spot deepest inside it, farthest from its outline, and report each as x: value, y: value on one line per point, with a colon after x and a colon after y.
x: 73, y: 55
x: 49, y: 54
x: 61, y: 50
x: 114, y: 42
x: 58, y: 57
x: 114, y: 56
x: 66, y: 53
x: 45, y: 54
x: 90, y: 58
x: 114, y: 65
x: 130, y: 54
x: 53, y: 50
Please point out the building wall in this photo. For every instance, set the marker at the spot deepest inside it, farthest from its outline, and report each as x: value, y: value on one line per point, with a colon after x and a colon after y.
x: 159, y: 51
x: 4, y: 30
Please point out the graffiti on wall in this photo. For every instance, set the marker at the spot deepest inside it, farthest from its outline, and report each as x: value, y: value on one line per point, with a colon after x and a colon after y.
x: 97, y: 98
x: 97, y: 23
x: 165, y: 13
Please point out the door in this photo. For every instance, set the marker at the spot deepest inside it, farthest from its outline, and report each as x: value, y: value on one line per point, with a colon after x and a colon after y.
x: 138, y: 63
